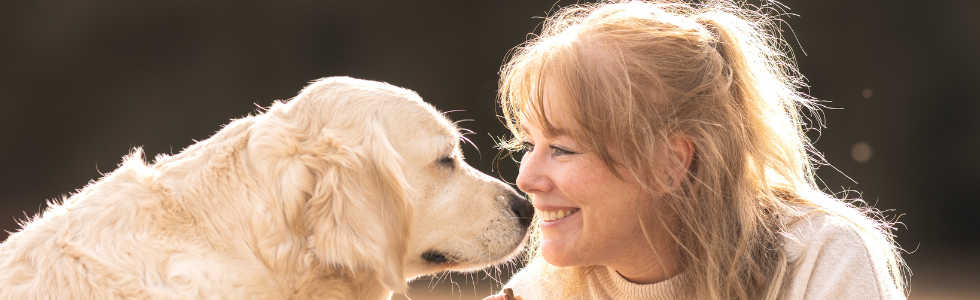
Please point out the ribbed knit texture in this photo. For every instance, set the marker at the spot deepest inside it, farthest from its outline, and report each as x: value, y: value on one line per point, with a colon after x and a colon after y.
x: 620, y: 288
x: 829, y: 259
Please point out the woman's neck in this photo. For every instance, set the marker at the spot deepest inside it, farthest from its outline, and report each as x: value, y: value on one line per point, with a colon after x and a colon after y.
x: 649, y: 260
x: 649, y: 268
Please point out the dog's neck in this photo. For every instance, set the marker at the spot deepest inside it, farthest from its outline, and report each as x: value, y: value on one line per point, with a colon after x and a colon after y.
x: 215, y: 175
x: 209, y: 176
x: 212, y: 176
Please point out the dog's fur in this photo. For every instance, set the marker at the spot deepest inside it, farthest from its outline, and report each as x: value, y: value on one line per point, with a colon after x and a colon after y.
x: 346, y: 191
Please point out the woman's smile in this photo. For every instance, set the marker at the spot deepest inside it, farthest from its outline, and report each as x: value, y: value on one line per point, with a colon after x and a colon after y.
x: 556, y: 214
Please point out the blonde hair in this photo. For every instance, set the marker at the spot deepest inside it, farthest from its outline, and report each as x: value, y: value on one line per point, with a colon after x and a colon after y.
x: 637, y: 74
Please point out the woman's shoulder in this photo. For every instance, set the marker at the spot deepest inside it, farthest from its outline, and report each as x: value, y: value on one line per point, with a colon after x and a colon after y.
x: 835, y: 256
x: 808, y: 226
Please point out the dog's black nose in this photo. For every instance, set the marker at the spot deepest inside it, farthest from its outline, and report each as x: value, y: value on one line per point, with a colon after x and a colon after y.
x: 522, y: 209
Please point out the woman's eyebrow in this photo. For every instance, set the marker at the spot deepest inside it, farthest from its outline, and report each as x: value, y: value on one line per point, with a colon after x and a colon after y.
x: 559, y: 132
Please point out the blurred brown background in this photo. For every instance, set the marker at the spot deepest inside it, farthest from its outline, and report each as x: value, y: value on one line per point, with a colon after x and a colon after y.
x: 82, y: 82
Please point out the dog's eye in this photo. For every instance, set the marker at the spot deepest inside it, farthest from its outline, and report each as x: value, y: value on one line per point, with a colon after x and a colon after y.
x: 447, y: 161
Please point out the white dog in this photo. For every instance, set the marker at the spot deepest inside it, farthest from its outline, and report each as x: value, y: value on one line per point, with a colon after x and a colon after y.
x: 344, y: 192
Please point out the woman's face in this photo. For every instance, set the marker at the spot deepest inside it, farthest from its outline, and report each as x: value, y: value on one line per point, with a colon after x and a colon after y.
x: 588, y: 215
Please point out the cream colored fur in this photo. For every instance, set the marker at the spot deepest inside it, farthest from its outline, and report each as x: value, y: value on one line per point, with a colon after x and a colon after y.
x: 335, y: 194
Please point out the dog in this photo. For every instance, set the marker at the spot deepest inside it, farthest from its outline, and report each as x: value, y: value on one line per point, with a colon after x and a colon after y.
x: 346, y: 191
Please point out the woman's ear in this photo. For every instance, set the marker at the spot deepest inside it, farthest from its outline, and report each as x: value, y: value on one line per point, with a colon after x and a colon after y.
x: 682, y: 149
x: 358, y: 212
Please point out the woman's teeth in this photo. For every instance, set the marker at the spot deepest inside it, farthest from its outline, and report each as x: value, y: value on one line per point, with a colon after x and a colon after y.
x: 552, y: 215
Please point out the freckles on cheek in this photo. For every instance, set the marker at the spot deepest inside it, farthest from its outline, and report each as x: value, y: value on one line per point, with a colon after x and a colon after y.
x: 581, y: 177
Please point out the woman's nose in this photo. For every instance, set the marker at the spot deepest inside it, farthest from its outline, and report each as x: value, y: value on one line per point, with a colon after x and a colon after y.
x: 533, y: 176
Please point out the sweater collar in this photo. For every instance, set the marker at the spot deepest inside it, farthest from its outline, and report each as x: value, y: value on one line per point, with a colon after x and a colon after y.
x: 622, y: 288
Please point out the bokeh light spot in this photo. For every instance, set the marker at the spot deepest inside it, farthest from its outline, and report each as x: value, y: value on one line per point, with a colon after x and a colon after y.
x: 861, y: 152
x: 867, y: 93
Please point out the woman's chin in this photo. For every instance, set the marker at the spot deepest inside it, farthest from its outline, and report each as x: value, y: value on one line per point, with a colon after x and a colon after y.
x: 555, y: 261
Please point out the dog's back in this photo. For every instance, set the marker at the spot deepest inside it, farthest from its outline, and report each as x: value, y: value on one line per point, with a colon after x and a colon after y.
x: 124, y: 236
x: 73, y: 240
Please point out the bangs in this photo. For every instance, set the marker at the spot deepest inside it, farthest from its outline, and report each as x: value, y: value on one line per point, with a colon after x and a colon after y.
x: 525, y: 83
x: 594, y: 90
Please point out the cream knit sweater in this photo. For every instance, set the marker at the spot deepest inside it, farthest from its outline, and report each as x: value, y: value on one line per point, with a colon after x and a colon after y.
x: 830, y: 260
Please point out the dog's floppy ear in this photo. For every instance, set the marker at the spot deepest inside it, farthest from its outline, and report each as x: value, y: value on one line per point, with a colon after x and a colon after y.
x: 358, y: 212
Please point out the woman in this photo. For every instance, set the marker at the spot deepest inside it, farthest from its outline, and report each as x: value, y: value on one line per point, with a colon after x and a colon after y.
x: 666, y: 158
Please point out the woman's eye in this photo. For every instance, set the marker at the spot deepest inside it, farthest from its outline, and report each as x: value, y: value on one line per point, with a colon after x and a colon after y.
x: 557, y: 151
x: 527, y: 147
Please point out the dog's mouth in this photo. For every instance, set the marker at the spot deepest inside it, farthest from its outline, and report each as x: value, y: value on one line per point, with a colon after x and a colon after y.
x: 437, y: 257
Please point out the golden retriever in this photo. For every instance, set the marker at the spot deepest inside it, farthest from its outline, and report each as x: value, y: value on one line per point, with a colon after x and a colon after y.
x: 344, y: 192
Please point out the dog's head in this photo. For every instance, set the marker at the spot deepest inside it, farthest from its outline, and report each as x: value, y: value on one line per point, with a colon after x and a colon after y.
x: 381, y: 183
